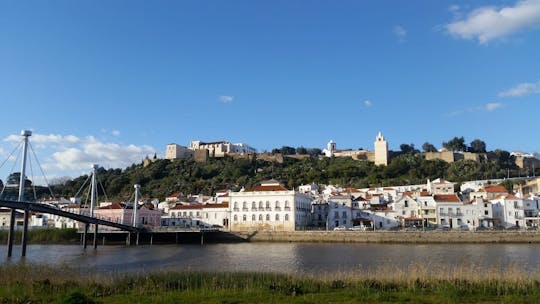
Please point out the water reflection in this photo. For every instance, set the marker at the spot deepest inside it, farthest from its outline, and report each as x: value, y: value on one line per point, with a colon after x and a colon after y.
x: 316, y: 259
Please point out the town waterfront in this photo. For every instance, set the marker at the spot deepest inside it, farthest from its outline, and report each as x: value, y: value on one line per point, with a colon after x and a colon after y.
x: 317, y: 259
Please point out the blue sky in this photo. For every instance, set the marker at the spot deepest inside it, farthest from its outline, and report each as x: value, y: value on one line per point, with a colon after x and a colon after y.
x: 110, y: 81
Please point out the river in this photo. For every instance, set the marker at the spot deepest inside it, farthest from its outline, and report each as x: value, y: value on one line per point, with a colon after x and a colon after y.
x: 295, y: 258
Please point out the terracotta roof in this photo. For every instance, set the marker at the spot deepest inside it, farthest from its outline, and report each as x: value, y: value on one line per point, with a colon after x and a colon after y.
x: 221, y: 205
x: 113, y: 206
x: 267, y: 188
x: 186, y: 207
x: 495, y: 189
x: 447, y: 198
x: 507, y: 196
x: 224, y: 195
x: 388, y: 189
x: 425, y: 193
x: 177, y: 194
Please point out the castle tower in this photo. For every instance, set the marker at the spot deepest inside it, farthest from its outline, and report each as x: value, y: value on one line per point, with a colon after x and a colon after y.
x: 330, y: 149
x: 381, y: 150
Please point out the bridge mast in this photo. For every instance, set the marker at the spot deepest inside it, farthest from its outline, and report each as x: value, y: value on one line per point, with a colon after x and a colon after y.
x: 25, y: 134
x: 135, y: 204
x: 94, y: 190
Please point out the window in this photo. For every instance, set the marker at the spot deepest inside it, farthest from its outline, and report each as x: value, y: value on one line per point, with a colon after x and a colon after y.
x: 261, y: 205
x: 277, y: 205
x: 336, y: 214
x: 253, y: 218
x: 260, y: 217
x: 253, y: 205
x: 425, y: 203
x: 403, y: 212
x: 267, y: 205
x: 486, y: 212
x: 235, y: 205
x: 244, y: 218
x: 268, y: 217
x: 287, y: 204
x: 344, y: 214
x: 244, y: 205
x: 277, y: 217
x: 441, y: 210
x: 406, y: 204
x: 286, y: 217
x: 236, y: 218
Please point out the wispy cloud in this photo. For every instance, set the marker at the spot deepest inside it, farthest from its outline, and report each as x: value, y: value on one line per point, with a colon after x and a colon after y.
x: 226, y: 98
x: 367, y: 103
x: 488, y: 107
x: 522, y: 89
x: 400, y: 33
x: 115, y: 133
x: 46, y: 139
x: 489, y: 23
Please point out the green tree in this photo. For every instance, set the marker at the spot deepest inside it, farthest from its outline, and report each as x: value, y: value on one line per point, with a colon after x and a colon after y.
x: 477, y: 146
x: 301, y: 150
x: 455, y: 144
x: 427, y: 147
x: 286, y: 150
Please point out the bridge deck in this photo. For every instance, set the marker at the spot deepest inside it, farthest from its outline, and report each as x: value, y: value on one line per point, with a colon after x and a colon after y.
x: 35, y: 207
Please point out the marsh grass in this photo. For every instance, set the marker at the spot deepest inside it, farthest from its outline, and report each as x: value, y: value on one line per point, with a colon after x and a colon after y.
x: 56, y: 236
x: 416, y: 283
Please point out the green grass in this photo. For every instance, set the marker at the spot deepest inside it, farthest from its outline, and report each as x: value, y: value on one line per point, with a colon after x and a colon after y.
x: 40, y: 284
x: 42, y: 236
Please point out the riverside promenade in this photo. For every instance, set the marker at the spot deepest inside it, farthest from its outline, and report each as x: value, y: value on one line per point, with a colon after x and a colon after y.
x: 394, y: 237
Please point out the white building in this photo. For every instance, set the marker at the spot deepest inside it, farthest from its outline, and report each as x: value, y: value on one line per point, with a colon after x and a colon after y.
x: 221, y: 148
x: 339, y: 211
x: 440, y: 186
x: 269, y: 206
x: 174, y: 151
x: 508, y: 209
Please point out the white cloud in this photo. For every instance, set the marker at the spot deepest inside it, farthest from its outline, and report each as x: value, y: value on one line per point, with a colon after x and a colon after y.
x: 494, y: 106
x: 367, y: 103
x: 489, y: 107
x: 115, y: 133
x: 522, y: 89
x: 226, y: 99
x: 46, y: 139
x: 92, y: 151
x: 489, y: 23
x: 400, y: 32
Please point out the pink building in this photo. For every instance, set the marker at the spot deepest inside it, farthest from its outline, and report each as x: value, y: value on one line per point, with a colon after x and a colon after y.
x: 120, y: 213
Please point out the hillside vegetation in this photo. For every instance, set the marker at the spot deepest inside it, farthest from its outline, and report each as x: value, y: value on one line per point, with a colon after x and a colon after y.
x: 164, y: 177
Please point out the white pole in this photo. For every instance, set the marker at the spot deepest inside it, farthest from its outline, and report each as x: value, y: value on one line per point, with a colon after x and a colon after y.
x: 25, y: 134
x: 137, y: 187
x: 94, y: 190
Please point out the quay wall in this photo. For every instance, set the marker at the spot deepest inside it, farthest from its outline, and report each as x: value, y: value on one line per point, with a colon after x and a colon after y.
x: 412, y: 237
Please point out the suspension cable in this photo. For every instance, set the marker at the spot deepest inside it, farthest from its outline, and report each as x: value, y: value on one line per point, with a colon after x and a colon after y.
x: 16, y: 148
x: 81, y: 188
x: 41, y: 169
x: 102, y: 188
x: 12, y: 167
x: 33, y: 180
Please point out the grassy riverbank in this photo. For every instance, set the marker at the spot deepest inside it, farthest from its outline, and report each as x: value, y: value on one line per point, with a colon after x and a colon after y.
x: 416, y: 284
x: 45, y: 236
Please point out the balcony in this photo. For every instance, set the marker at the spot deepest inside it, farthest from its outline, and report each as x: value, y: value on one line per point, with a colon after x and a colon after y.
x: 253, y: 209
x: 287, y: 208
x: 236, y: 209
x: 277, y: 208
x: 245, y: 209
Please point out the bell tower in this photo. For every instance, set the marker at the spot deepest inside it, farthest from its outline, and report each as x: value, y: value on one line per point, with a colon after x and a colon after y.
x: 381, y: 150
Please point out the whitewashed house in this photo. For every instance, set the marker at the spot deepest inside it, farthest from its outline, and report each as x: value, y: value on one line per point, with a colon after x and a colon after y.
x: 269, y: 206
x: 508, y: 209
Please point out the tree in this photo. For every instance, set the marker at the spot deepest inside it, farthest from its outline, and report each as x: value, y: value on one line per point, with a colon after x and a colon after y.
x: 407, y: 149
x: 286, y: 150
x: 455, y: 144
x: 427, y: 147
x: 477, y: 146
x: 301, y: 150
x: 15, y: 179
x: 314, y: 151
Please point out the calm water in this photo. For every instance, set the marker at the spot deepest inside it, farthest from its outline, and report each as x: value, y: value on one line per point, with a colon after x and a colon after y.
x: 277, y: 257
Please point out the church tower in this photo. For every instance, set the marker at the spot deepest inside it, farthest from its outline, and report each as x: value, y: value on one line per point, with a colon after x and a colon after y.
x: 381, y: 150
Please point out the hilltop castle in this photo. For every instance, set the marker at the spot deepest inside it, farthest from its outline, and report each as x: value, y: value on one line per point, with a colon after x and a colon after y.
x: 379, y: 156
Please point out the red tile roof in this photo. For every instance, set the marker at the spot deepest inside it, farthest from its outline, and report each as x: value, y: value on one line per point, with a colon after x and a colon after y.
x: 267, y: 188
x: 113, y: 206
x: 221, y: 205
x: 495, y: 189
x: 187, y: 207
x: 447, y: 198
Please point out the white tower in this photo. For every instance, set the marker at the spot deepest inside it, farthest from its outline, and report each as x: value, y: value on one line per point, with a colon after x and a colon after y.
x: 381, y: 150
x: 330, y: 149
